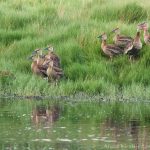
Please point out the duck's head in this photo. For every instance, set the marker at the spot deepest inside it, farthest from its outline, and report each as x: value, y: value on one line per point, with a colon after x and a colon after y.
x: 49, y: 48
x: 36, y: 51
x: 32, y: 57
x: 116, y: 31
x: 142, y: 26
x: 102, y: 36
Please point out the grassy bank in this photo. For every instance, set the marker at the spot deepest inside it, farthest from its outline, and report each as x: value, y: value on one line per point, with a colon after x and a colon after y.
x: 72, y: 27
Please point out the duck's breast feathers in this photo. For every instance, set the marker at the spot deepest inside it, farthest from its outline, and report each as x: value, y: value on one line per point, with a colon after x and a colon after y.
x: 137, y: 44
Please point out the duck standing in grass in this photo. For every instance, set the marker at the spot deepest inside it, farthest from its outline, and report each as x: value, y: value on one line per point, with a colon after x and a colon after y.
x: 36, y: 68
x: 111, y: 50
x: 46, y: 65
x: 40, y: 56
x: 52, y: 56
x: 53, y: 73
x: 137, y: 45
x: 146, y: 33
x: 122, y: 40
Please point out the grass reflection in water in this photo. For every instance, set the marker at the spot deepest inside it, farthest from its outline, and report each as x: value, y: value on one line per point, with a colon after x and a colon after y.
x: 28, y: 124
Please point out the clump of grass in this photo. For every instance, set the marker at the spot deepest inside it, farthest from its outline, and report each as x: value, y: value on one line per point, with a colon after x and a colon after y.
x: 6, y: 79
x: 105, y: 14
x: 132, y: 12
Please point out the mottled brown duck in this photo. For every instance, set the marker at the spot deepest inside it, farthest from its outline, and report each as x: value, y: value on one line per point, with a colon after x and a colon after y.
x: 52, y: 56
x: 122, y: 40
x: 146, y: 33
x: 137, y: 45
x: 36, y: 68
x: 110, y: 50
x: 54, y: 73
x: 40, y: 57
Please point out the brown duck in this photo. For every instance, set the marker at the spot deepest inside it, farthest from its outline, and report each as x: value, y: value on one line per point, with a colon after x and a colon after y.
x: 53, y: 73
x: 40, y: 57
x: 52, y: 56
x: 36, y: 68
x: 137, y: 45
x: 122, y: 40
x: 144, y: 27
x: 110, y: 49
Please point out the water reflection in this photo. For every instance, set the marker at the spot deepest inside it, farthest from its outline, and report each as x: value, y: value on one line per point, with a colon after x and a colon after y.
x: 46, y: 115
x: 72, y: 126
x: 131, y: 135
x: 134, y: 131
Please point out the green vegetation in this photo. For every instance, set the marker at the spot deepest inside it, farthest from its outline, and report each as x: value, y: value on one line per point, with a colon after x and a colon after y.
x: 72, y: 27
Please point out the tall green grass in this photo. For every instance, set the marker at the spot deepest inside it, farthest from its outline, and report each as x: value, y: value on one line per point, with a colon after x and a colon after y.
x: 72, y: 28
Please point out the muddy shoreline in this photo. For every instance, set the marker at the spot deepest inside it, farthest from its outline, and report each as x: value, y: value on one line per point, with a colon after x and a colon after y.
x: 76, y: 97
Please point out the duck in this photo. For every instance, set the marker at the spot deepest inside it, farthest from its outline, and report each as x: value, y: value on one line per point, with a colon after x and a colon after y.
x: 40, y: 56
x: 36, y: 68
x: 146, y: 33
x: 52, y: 56
x: 53, y: 73
x: 122, y: 40
x: 110, y: 49
x: 137, y: 45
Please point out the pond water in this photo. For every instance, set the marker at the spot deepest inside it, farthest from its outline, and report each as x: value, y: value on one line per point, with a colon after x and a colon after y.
x: 60, y: 125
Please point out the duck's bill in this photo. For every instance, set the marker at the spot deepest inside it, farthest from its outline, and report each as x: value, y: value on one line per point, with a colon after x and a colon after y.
x: 100, y: 36
x: 114, y: 30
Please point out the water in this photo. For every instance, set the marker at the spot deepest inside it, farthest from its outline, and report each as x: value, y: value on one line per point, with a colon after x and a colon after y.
x: 46, y: 125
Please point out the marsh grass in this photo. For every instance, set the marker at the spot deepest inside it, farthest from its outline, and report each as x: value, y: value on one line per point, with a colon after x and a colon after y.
x: 133, y: 12
x: 72, y: 29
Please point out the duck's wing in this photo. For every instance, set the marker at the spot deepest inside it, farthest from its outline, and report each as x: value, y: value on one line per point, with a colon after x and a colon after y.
x: 121, y: 37
x: 114, y: 49
x: 57, y: 69
x: 43, y: 67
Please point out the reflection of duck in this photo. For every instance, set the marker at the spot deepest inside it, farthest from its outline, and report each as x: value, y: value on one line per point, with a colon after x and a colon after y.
x: 111, y: 128
x: 134, y: 124
x: 43, y: 114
